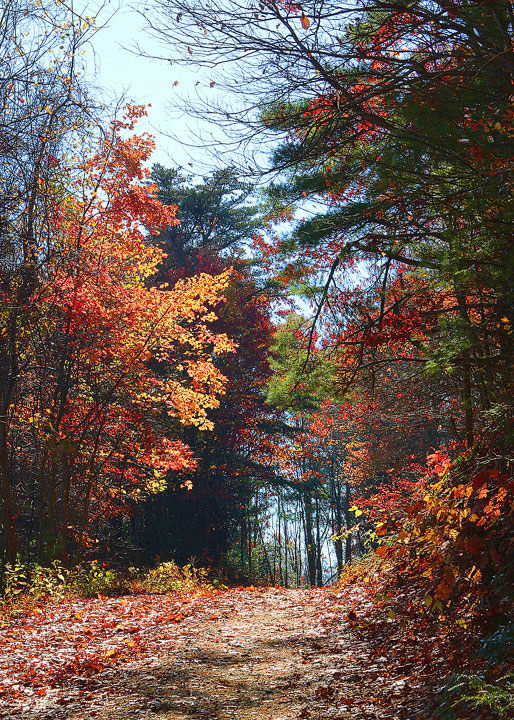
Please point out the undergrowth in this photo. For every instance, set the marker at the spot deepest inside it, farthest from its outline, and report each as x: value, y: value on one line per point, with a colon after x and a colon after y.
x: 25, y: 584
x: 490, y: 690
x: 360, y: 570
x: 467, y: 693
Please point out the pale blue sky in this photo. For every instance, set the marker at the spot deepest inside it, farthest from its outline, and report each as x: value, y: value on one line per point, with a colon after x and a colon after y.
x: 146, y: 81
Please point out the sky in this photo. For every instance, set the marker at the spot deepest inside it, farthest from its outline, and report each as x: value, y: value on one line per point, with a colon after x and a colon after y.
x: 118, y: 70
x: 115, y: 64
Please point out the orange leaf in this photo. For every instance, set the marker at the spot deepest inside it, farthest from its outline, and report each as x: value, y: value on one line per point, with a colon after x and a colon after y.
x: 305, y: 21
x: 382, y: 551
x: 484, y: 491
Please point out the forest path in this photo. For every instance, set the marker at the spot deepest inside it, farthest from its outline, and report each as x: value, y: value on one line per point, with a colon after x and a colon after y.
x: 261, y: 654
x: 254, y: 658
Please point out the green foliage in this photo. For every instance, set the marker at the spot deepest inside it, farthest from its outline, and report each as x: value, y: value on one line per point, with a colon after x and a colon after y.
x: 215, y: 215
x: 301, y: 375
x: 28, y: 582
x: 97, y: 579
x: 465, y: 693
x: 169, y: 577
x: 35, y: 581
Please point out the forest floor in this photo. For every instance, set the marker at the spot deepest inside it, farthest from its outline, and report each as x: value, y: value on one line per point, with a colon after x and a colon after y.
x: 241, y: 654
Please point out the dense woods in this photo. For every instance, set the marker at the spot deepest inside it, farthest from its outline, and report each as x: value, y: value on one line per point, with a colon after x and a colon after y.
x: 297, y: 368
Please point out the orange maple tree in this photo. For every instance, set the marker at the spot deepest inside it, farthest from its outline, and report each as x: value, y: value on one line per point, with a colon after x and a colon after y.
x: 111, y: 363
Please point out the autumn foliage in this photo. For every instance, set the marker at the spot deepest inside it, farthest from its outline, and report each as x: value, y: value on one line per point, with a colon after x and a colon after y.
x: 87, y: 429
x: 340, y: 386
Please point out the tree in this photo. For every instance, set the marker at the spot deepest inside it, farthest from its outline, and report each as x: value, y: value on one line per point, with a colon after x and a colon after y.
x: 200, y: 512
x: 43, y: 105
x: 87, y: 425
x: 217, y: 216
x: 394, y: 125
x: 398, y: 118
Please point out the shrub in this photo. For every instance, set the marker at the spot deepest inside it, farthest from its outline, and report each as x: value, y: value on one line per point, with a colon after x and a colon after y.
x: 28, y: 582
x: 34, y: 581
x: 169, y: 577
x: 97, y: 578
x: 466, y: 693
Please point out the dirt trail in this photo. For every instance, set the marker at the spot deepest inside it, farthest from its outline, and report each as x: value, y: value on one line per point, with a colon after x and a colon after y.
x: 247, y: 661
x: 246, y: 655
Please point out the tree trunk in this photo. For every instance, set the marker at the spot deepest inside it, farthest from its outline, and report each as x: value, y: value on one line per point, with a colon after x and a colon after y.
x: 338, y: 526
x: 348, y: 523
x: 309, y: 537
x: 319, y: 568
x: 467, y: 397
x: 286, y: 579
x: 8, y: 514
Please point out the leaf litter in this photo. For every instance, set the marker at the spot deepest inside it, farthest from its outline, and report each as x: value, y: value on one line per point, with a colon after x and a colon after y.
x: 240, y: 654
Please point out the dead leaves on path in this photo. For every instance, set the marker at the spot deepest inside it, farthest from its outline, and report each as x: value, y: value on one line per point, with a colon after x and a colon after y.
x: 43, y: 649
x: 346, y: 658
x: 56, y: 643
